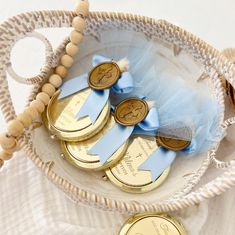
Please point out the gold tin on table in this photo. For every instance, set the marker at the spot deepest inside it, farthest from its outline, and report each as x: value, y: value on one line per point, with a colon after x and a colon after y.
x: 126, y: 175
x: 152, y: 224
x: 76, y: 152
x: 62, y: 121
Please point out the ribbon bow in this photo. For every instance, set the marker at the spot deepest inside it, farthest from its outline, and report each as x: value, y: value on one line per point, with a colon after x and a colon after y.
x: 161, y: 159
x: 97, y: 99
x: 119, y: 134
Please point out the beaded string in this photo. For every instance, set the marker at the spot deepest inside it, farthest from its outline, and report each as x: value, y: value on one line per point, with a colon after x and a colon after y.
x: 15, y: 128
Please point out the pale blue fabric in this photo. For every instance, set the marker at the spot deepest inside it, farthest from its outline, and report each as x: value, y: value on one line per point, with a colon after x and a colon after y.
x: 158, y: 162
x: 120, y: 134
x: 111, y: 142
x: 94, y: 104
x: 96, y: 100
x: 72, y: 86
x: 124, y: 85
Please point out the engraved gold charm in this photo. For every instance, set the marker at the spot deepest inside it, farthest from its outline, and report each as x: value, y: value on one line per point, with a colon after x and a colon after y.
x: 62, y: 121
x: 77, y: 152
x: 126, y: 174
x: 174, y: 143
x: 152, y: 224
x: 104, y: 75
x: 131, y: 111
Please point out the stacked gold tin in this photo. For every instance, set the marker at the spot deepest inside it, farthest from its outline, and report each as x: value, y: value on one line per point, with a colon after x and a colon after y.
x: 77, y: 136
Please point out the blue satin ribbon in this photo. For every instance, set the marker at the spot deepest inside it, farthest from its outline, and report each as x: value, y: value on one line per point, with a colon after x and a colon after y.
x: 96, y: 100
x: 161, y: 159
x: 119, y: 134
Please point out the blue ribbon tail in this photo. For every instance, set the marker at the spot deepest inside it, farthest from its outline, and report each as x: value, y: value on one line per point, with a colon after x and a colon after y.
x: 97, y: 59
x: 94, y: 105
x: 124, y: 85
x: 111, y: 142
x: 158, y: 162
x: 73, y: 86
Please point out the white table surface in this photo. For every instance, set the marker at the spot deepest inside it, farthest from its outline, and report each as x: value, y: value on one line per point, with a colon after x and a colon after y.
x: 211, y: 20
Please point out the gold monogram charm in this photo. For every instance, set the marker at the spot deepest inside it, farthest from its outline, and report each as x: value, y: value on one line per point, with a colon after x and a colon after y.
x: 104, y: 75
x: 175, y: 144
x: 152, y: 224
x: 131, y: 111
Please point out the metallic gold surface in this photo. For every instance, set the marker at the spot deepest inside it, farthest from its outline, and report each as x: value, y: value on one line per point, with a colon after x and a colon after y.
x: 131, y: 111
x: 62, y: 121
x: 126, y: 175
x: 152, y: 224
x: 76, y: 152
x: 104, y: 75
x: 172, y: 144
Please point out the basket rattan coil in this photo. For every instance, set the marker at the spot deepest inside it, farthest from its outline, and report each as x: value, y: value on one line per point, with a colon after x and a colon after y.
x: 213, y: 62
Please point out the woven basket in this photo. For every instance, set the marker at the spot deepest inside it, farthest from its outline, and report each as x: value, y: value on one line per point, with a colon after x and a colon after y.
x: 78, y: 186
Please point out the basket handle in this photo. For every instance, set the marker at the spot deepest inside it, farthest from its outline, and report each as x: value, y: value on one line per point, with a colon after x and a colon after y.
x: 16, y: 28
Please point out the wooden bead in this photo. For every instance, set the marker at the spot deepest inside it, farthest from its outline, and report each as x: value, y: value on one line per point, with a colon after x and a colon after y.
x: 61, y: 71
x: 48, y: 89
x: 71, y: 49
x: 10, y: 150
x: 5, y: 156
x: 7, y: 142
x: 44, y: 97
x: 1, y: 163
x: 25, y: 119
x: 67, y: 61
x: 15, y: 128
x: 79, y: 23
x: 55, y: 80
x: 32, y: 112
x: 82, y: 8
x: 38, y: 105
x: 76, y: 37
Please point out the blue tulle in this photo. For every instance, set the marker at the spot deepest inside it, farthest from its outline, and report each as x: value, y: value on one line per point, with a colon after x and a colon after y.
x: 179, y: 102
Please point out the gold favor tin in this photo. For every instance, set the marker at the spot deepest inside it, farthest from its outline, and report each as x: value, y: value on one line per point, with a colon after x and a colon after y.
x: 152, y: 224
x: 76, y: 152
x: 62, y: 122
x: 126, y: 175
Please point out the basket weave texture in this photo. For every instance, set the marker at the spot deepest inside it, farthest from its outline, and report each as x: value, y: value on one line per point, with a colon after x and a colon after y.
x: 214, y: 63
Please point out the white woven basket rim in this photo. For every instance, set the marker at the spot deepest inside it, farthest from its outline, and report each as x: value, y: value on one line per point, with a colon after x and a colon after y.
x: 214, y: 62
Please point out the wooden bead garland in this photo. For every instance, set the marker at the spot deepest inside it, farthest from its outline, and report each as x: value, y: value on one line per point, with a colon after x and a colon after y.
x: 61, y: 71
x: 15, y: 128
x: 71, y: 49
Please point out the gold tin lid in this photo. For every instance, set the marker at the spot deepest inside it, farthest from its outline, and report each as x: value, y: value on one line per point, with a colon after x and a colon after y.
x: 62, y: 121
x: 126, y: 175
x: 76, y: 152
x: 152, y: 224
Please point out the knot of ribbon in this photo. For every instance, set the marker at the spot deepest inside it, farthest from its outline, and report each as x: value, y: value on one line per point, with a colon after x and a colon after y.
x: 119, y: 134
x: 97, y: 99
x: 162, y: 158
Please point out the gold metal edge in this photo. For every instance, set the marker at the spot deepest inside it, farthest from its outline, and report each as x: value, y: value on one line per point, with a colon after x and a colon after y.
x: 73, y: 136
x: 92, y: 166
x: 137, y: 217
x: 134, y: 189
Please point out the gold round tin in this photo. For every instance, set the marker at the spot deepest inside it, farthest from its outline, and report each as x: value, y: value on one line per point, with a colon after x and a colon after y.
x: 152, y: 224
x: 62, y: 121
x: 126, y: 175
x: 76, y: 152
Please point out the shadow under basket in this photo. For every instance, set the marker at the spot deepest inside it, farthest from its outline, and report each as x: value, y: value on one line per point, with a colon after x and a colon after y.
x: 178, y: 52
